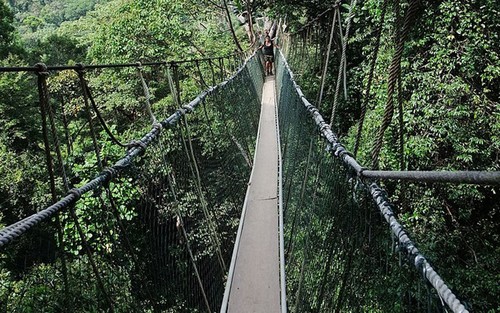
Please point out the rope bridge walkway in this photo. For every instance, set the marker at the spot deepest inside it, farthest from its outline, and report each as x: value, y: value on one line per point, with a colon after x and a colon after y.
x: 155, y: 230
x: 168, y: 227
x: 254, y: 278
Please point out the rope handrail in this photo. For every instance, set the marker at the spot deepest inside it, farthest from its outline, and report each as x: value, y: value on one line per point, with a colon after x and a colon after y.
x: 102, y: 66
x: 458, y: 177
x: 15, y: 230
x: 385, y: 207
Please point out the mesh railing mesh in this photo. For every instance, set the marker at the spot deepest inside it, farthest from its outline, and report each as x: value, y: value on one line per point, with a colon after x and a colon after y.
x: 340, y: 256
x: 159, y: 236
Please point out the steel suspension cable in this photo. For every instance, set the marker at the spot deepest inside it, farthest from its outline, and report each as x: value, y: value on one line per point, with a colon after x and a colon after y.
x: 17, y: 229
x: 147, y: 94
x: 196, y: 174
x: 44, y: 107
x: 43, y: 89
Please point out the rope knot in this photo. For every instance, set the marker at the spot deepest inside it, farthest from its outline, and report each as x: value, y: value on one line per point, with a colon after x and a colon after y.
x: 136, y: 143
x: 76, y: 192
x: 80, y: 67
x: 41, y: 69
x: 158, y: 125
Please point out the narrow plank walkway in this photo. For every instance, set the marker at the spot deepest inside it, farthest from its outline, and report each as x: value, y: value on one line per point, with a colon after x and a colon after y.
x: 255, y: 285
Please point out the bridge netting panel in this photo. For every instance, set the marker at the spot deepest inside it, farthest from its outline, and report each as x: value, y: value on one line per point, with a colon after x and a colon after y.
x: 159, y: 235
x: 340, y: 253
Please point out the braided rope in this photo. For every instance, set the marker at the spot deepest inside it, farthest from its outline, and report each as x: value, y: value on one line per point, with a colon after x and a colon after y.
x: 327, y: 61
x: 343, y: 63
x: 380, y: 198
x: 147, y: 95
x: 394, y: 72
x: 378, y: 35
x: 400, y: 99
x: 17, y: 229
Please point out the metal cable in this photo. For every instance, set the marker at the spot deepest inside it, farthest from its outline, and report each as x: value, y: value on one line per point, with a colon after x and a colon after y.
x: 102, y: 66
x: 44, y: 107
x: 88, y: 97
x: 147, y: 95
x: 327, y: 61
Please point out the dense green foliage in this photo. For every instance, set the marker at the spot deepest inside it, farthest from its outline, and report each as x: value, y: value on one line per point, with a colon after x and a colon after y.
x: 451, y: 114
x: 37, y: 273
x: 451, y: 110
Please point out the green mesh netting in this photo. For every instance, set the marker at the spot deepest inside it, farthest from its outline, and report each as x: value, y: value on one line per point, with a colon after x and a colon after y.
x: 159, y: 237
x: 338, y: 249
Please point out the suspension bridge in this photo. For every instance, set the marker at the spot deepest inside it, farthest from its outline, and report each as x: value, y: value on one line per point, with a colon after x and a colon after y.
x: 242, y: 200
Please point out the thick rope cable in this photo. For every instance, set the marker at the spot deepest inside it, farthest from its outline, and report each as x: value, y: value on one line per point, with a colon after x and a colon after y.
x: 17, y: 229
x: 394, y: 72
x: 364, y: 106
x: 214, y: 238
x: 385, y: 207
x: 196, y: 174
x: 327, y: 61
x: 58, y: 68
x: 203, y: 83
x: 43, y: 89
x: 397, y: 9
x: 85, y: 92
x: 44, y: 107
x: 343, y: 62
x: 89, y: 98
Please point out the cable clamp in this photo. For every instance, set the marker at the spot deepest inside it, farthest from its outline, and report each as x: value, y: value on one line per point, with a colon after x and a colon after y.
x: 111, y: 174
x: 188, y: 108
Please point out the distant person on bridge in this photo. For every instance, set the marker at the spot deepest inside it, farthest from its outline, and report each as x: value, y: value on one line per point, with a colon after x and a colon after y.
x: 268, y: 50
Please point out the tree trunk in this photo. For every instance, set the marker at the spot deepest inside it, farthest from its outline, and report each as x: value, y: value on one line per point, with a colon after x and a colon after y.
x: 233, y: 34
x: 251, y: 35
